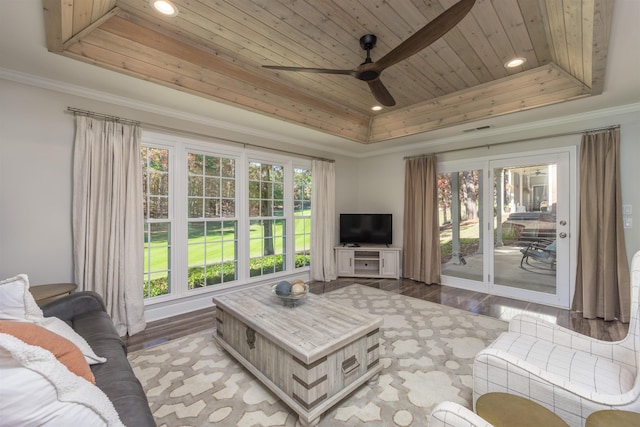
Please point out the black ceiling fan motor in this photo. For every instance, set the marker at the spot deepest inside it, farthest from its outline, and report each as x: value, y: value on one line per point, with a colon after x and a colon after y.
x: 368, y: 42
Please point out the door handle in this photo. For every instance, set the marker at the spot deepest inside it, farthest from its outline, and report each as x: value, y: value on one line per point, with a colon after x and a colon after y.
x: 562, y: 235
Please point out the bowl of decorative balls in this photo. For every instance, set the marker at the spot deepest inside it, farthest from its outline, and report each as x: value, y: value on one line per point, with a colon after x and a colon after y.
x: 290, y: 293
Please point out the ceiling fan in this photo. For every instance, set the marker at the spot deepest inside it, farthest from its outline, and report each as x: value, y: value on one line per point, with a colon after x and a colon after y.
x: 369, y: 71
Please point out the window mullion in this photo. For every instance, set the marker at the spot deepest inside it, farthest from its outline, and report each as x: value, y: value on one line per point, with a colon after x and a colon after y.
x: 179, y: 253
x: 288, y: 214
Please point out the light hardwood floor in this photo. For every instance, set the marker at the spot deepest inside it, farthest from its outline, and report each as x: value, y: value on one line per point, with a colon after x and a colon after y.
x: 489, y: 305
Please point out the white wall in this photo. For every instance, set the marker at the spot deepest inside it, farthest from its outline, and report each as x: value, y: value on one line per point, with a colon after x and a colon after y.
x: 35, y: 184
x: 380, y: 189
x: 630, y: 167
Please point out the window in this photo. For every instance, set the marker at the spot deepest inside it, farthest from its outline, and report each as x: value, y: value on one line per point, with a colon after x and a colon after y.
x: 267, y: 228
x: 157, y: 227
x: 212, y: 246
x: 216, y: 218
x: 302, y: 216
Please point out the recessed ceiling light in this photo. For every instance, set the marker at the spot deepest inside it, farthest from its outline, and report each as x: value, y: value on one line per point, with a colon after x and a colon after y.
x: 376, y: 108
x: 165, y: 7
x: 515, y: 62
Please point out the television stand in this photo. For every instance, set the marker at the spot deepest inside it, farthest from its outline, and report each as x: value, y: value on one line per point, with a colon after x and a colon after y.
x: 368, y: 261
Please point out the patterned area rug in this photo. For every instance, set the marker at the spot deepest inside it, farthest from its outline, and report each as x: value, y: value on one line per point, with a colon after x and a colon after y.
x: 426, y: 351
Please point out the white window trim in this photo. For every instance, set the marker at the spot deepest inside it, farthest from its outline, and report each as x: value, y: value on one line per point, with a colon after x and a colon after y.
x: 178, y: 147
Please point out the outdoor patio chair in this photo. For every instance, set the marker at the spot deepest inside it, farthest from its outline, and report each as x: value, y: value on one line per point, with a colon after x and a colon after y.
x: 543, y: 251
x: 571, y: 374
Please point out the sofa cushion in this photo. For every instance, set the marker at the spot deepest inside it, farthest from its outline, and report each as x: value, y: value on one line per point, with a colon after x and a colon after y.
x: 64, y: 350
x: 36, y: 389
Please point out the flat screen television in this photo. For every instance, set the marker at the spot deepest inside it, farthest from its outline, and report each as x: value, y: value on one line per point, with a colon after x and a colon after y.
x: 365, y: 228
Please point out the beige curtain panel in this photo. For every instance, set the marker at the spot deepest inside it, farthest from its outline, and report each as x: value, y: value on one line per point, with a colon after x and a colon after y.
x: 323, y: 220
x: 421, y: 236
x: 108, y: 218
x: 602, y: 277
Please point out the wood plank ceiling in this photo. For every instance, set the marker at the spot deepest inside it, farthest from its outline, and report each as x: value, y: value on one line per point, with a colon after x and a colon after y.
x: 216, y: 49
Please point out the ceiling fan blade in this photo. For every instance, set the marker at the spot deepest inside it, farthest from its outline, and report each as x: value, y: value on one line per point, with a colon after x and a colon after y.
x: 380, y: 93
x: 427, y: 34
x: 310, y: 70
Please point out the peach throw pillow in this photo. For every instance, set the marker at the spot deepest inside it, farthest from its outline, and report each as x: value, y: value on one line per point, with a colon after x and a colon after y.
x: 64, y: 350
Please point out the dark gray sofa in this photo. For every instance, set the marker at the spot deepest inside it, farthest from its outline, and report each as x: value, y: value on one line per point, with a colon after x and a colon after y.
x: 85, y: 312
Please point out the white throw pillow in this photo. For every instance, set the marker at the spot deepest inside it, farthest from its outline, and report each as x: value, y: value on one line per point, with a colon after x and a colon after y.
x: 37, y: 390
x: 61, y: 328
x: 16, y: 302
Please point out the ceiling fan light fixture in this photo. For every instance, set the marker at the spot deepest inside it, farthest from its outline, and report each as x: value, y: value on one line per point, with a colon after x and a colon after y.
x: 376, y: 107
x: 165, y: 7
x: 515, y: 62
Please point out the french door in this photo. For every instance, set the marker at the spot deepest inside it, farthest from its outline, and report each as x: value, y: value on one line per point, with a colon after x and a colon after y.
x: 505, y: 226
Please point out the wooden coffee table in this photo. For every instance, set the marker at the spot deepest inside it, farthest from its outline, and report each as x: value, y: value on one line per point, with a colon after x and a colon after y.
x: 311, y: 356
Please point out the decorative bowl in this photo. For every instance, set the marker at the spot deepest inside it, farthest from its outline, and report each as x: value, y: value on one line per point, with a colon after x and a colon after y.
x: 289, y: 299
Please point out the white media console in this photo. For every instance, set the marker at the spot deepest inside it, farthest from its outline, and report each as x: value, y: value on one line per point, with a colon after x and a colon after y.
x: 368, y: 261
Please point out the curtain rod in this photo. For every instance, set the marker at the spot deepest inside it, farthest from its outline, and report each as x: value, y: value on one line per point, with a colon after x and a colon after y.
x: 79, y: 112
x: 488, y: 146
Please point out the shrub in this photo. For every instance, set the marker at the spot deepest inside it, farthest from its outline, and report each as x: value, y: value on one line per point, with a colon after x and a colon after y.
x: 214, y: 274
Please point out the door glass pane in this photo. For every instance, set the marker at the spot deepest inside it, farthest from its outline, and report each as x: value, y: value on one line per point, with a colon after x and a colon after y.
x: 460, y: 216
x: 525, y: 227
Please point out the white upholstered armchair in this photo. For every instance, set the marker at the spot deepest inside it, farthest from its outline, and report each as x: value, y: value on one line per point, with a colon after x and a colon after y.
x: 571, y: 374
x: 451, y: 414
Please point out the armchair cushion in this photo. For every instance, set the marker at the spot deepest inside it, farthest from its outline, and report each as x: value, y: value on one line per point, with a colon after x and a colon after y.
x: 571, y: 367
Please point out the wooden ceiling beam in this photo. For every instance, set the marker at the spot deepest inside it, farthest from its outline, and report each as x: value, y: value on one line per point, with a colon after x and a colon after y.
x: 545, y: 85
x: 140, y: 52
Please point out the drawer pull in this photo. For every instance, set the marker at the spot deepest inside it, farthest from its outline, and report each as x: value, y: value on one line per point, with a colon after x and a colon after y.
x: 350, y: 365
x: 251, y: 338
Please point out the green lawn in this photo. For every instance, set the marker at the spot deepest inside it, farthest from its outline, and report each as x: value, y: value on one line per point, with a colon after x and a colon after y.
x: 219, y: 245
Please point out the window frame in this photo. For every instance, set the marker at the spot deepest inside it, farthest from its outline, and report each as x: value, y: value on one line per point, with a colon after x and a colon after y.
x: 307, y: 233
x: 206, y: 220
x: 179, y: 147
